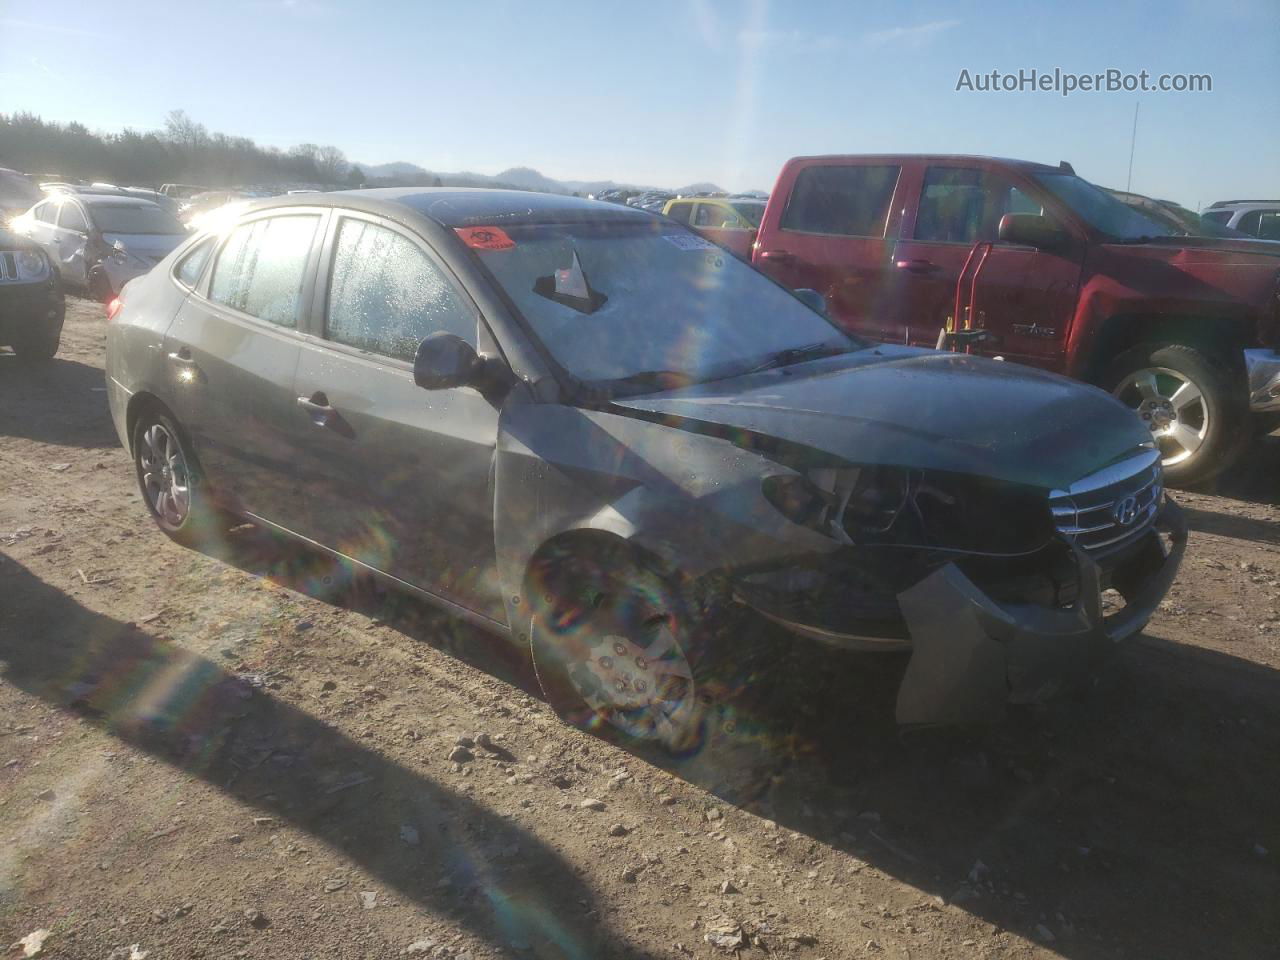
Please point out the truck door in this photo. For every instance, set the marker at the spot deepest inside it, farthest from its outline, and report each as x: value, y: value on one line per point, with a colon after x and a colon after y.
x: 827, y: 231
x: 1024, y: 296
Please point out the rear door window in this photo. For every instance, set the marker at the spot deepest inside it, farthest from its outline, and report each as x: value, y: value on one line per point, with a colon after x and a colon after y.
x: 71, y: 218
x: 1269, y: 225
x: 47, y: 212
x: 386, y: 295
x: 681, y: 211
x: 1249, y: 222
x: 851, y: 201
x: 260, y: 268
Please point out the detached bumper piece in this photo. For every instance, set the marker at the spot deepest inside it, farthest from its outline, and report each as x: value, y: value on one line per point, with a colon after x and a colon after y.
x: 972, y: 656
x: 1263, y: 370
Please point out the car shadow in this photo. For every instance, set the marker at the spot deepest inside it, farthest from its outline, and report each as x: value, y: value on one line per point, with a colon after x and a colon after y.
x: 61, y: 402
x: 504, y: 885
x: 1229, y: 525
x: 1254, y: 476
x: 1123, y: 822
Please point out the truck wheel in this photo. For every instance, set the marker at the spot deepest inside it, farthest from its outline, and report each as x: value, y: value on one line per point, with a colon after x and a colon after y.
x: 613, y: 647
x: 1196, y: 408
x: 39, y: 344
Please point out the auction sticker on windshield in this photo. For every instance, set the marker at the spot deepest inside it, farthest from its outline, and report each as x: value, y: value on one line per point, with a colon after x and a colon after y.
x: 485, y: 238
x: 688, y: 241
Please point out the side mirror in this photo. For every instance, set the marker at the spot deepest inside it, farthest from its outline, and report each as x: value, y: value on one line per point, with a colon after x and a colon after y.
x: 1032, y: 230
x: 445, y: 360
x: 812, y: 299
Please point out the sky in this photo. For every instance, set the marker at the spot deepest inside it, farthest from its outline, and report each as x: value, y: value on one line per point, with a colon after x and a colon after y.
x: 665, y: 92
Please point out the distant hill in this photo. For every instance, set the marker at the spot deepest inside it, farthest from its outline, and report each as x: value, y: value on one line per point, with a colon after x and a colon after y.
x: 519, y: 178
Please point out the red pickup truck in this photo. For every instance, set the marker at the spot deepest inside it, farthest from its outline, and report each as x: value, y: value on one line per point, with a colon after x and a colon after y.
x: 1033, y: 264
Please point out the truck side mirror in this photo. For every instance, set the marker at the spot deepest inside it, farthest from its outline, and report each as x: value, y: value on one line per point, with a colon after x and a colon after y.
x: 1032, y: 230
x: 811, y: 299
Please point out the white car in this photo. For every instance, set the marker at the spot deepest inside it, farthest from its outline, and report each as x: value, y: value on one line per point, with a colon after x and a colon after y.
x: 1257, y: 218
x: 99, y: 242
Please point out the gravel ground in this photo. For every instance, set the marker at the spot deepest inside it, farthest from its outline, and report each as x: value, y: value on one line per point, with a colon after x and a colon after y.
x: 213, y: 756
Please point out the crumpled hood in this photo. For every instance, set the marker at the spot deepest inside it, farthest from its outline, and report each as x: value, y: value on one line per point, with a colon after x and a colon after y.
x: 153, y: 246
x: 919, y: 408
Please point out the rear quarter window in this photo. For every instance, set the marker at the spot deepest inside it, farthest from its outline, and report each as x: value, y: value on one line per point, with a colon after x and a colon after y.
x: 851, y: 201
x: 192, y: 265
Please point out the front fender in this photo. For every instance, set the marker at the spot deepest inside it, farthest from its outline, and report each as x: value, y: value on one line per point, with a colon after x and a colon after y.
x: 692, y: 500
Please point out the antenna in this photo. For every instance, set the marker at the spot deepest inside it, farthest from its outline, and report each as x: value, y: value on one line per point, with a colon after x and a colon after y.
x: 1133, y: 142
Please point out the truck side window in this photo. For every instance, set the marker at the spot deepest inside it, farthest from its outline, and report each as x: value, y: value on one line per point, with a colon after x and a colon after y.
x: 850, y: 201
x: 1269, y: 225
x: 1249, y: 222
x: 711, y: 215
x: 964, y: 205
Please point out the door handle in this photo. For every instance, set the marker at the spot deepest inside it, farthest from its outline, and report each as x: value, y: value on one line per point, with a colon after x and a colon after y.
x: 317, y: 403
x: 182, y: 357
x: 188, y: 370
x: 324, y: 415
x: 917, y: 266
x: 777, y: 256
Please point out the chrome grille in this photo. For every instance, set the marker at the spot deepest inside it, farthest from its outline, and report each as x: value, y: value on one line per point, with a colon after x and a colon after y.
x: 1109, y: 509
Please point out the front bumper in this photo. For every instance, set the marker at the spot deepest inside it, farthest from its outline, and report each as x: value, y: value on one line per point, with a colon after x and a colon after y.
x: 971, y: 655
x: 1263, y: 370
x: 26, y: 305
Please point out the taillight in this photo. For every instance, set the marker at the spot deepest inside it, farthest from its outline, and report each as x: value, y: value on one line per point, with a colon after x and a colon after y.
x: 114, y: 307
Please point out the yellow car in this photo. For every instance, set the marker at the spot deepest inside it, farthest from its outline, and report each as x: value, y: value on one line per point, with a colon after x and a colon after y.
x: 730, y: 223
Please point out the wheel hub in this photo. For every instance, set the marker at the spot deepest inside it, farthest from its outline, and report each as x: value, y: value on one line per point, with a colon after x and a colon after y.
x: 626, y: 671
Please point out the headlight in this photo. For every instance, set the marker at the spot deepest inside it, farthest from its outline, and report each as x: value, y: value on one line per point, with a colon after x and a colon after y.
x: 32, y: 265
x: 915, y: 508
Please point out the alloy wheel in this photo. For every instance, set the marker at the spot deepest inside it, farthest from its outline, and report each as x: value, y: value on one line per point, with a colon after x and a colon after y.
x: 166, y: 479
x: 1173, y: 408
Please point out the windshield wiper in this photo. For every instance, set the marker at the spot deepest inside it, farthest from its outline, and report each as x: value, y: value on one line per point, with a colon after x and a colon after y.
x: 648, y: 380
x: 810, y: 351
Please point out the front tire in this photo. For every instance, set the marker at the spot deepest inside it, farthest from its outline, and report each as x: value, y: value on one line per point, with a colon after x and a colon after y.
x: 614, y: 645
x: 38, y: 345
x: 171, y: 484
x: 1193, y: 403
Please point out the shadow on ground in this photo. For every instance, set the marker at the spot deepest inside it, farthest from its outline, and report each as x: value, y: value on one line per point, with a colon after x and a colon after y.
x: 506, y: 885
x: 62, y: 402
x: 1125, y: 821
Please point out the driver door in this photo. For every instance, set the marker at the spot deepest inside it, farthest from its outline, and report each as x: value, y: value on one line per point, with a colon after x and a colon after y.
x: 395, y: 477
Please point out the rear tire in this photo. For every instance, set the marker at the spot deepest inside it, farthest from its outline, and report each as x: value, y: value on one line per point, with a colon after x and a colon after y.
x: 614, y: 645
x: 172, y: 485
x: 1195, y: 405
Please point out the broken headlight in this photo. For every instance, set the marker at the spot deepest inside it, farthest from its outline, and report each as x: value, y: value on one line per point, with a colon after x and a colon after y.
x: 915, y: 508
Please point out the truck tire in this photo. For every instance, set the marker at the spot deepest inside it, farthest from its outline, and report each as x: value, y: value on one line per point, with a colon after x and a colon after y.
x: 1196, y: 407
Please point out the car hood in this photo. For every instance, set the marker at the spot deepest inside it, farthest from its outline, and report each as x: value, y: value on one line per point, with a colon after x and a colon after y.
x: 917, y: 408
x: 1209, y: 249
x: 155, y: 245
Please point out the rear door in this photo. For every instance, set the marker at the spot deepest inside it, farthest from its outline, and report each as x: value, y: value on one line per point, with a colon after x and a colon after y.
x: 831, y: 235
x: 398, y: 477
x: 1024, y: 296
x: 232, y: 351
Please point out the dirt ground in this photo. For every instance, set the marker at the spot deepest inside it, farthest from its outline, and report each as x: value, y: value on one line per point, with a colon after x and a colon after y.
x: 209, y: 756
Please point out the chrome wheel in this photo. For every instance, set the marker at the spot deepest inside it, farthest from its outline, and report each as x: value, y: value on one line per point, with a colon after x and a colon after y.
x: 1173, y: 408
x: 166, y: 480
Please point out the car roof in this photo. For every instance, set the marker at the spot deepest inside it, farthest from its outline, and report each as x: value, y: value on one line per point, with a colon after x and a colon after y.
x: 1243, y: 203
x: 458, y: 207
x: 113, y: 200
x: 972, y: 158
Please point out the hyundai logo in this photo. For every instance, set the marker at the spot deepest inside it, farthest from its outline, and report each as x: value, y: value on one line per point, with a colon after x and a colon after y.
x: 1125, y: 511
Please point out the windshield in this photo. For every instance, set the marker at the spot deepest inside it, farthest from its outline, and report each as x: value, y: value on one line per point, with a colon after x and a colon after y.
x: 1101, y: 210
x: 613, y: 301
x: 750, y: 212
x: 134, y: 218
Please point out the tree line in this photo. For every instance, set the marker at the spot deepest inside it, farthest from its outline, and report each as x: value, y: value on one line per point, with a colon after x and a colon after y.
x: 184, y: 151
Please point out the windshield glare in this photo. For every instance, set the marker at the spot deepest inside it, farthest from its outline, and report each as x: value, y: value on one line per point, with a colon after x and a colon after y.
x: 134, y: 218
x: 1102, y: 211
x: 643, y: 298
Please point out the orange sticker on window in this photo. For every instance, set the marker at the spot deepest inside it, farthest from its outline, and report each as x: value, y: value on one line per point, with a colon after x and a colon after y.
x: 485, y: 238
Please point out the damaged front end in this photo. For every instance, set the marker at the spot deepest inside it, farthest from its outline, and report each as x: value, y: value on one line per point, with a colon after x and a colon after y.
x: 997, y: 590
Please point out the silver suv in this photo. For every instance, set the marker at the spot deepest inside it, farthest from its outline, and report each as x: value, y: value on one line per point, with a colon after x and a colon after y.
x: 1257, y: 218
